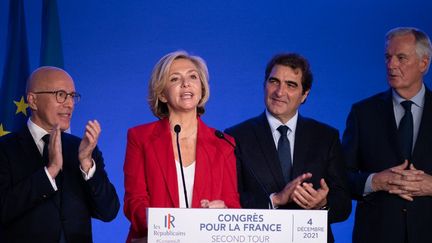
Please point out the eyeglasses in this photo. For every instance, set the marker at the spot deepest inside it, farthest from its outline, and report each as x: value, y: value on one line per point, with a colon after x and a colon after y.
x: 61, y: 95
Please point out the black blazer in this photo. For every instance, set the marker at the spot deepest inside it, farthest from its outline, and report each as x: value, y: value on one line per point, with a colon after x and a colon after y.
x: 316, y: 150
x: 30, y: 209
x: 371, y: 145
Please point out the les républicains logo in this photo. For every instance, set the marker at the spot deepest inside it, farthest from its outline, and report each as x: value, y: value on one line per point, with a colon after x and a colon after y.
x: 169, y: 221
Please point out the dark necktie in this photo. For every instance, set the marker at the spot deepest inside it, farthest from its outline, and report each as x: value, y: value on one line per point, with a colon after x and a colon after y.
x: 57, y: 198
x: 45, y: 155
x: 405, y: 130
x: 284, y: 152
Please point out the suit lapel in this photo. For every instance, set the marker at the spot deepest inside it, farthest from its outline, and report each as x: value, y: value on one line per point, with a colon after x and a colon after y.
x: 266, y: 143
x: 34, y: 161
x: 203, y: 177
x: 301, y: 147
x: 28, y: 146
x: 386, y: 108
x: 162, y: 139
x: 70, y: 159
x: 424, y: 133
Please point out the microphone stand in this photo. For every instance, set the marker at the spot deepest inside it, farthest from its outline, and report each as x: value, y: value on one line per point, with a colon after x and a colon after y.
x: 177, y: 130
x: 221, y: 135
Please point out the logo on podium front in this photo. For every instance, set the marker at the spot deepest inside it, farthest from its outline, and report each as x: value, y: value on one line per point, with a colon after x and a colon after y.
x: 169, y: 221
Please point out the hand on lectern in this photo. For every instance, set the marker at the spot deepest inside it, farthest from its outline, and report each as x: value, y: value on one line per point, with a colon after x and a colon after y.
x: 212, y: 204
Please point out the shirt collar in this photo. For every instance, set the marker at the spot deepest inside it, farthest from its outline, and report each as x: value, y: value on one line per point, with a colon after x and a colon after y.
x: 418, y: 99
x: 275, y: 123
x: 36, y: 131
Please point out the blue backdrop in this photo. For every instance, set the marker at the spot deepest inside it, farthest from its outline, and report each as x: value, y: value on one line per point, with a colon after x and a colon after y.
x: 111, y: 46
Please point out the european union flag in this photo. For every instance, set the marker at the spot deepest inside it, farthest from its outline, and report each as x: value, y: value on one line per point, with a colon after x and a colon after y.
x: 13, y: 106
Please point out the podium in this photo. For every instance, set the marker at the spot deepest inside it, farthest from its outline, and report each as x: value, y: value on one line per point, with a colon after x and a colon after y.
x: 181, y: 225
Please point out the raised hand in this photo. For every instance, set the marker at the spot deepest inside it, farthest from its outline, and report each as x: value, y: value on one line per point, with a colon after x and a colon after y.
x: 55, y: 154
x: 285, y: 196
x: 307, y: 197
x: 88, y: 143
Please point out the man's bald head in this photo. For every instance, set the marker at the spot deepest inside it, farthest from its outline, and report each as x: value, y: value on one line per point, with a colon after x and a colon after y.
x: 43, y: 76
x: 43, y: 87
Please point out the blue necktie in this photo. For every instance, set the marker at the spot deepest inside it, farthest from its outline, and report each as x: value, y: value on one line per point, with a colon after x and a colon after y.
x: 284, y: 152
x: 405, y: 131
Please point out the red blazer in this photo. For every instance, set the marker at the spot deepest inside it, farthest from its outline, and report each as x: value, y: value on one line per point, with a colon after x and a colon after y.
x: 151, y: 178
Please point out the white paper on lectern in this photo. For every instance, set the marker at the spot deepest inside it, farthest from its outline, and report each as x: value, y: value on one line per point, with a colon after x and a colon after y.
x: 179, y: 225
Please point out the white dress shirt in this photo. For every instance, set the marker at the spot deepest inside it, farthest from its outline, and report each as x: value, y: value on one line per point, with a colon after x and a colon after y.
x: 291, y: 124
x: 37, y: 133
x: 274, y: 124
x: 399, y: 112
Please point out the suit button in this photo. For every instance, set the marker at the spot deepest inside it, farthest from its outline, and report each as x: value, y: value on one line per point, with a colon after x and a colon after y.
x: 44, y: 196
x: 404, y: 210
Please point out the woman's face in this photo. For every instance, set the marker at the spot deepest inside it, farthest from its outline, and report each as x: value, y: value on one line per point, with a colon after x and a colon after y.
x: 182, y: 92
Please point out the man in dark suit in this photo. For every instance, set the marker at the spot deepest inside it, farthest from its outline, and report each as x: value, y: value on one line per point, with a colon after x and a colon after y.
x: 388, y: 148
x: 312, y: 176
x: 51, y: 182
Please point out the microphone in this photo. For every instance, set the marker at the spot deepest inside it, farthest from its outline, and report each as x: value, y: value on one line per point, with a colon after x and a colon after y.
x: 177, y: 130
x: 221, y: 135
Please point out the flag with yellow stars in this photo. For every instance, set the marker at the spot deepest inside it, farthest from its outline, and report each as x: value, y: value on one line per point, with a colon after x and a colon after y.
x: 14, y: 109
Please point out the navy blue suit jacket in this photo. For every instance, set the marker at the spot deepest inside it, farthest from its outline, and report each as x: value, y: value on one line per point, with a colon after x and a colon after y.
x: 316, y: 150
x: 371, y: 145
x: 30, y: 209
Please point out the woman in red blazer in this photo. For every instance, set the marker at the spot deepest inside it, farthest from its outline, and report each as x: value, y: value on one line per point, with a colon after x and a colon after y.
x: 178, y: 91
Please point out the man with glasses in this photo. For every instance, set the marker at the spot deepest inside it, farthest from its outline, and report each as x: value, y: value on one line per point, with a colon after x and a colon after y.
x: 51, y: 182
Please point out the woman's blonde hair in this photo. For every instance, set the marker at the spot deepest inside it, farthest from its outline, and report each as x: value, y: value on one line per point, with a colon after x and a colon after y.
x: 159, y: 79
